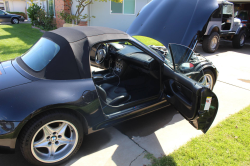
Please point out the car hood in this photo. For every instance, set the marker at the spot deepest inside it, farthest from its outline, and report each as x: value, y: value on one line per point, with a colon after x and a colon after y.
x: 9, y: 77
x: 173, y: 21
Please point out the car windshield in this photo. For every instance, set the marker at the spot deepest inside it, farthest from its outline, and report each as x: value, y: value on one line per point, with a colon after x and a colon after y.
x: 157, y: 53
x: 39, y: 56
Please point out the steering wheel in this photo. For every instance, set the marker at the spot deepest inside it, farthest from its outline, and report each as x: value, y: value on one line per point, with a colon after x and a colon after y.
x: 101, y: 53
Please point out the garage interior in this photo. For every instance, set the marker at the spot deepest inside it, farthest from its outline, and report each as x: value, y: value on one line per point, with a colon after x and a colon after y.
x: 243, y: 8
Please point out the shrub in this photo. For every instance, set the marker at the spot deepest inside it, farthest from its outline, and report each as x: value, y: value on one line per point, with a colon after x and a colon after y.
x: 32, y: 11
x: 44, y: 20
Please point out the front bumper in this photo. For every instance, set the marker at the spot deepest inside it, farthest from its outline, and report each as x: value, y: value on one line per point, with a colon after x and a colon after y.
x: 8, y: 136
x: 21, y: 19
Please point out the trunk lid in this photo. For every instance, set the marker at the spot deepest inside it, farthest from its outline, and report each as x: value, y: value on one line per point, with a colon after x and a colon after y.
x: 9, y: 77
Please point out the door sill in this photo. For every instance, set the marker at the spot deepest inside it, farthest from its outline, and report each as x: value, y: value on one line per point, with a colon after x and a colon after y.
x: 137, y: 108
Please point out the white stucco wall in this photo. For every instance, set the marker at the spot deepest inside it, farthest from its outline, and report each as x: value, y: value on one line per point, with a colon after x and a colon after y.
x: 17, y: 6
x: 73, y: 9
x: 101, y: 10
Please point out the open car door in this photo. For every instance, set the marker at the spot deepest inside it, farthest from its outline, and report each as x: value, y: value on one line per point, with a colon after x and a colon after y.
x: 196, y: 103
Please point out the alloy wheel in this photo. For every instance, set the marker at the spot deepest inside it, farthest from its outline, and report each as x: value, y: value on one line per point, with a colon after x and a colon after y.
x: 207, y: 81
x: 15, y: 21
x: 214, y: 42
x: 54, y: 141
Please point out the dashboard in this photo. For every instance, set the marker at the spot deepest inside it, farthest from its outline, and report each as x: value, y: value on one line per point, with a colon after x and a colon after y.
x: 119, y: 56
x: 131, y: 54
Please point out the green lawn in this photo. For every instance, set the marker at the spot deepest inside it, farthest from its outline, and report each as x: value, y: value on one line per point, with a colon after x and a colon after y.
x: 16, y: 39
x: 228, y: 143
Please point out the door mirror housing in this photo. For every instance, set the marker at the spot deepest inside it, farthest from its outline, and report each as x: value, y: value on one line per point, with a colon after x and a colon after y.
x: 186, y: 66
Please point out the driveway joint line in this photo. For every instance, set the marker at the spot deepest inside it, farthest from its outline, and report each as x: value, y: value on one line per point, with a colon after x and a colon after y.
x: 137, y: 157
x: 233, y: 85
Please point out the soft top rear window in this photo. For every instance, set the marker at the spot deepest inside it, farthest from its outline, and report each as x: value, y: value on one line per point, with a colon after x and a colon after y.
x: 39, y: 56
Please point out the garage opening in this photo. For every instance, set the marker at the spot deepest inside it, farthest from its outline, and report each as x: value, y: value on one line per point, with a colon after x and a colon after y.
x: 242, y: 11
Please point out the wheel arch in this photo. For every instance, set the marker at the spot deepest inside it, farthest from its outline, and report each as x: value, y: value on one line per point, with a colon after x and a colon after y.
x: 214, y: 28
x: 213, y: 69
x: 43, y: 111
x: 14, y: 17
x: 241, y: 28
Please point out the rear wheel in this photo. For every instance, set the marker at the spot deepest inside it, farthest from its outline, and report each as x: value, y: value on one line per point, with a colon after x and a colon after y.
x: 239, y: 40
x: 51, y: 139
x: 211, y: 43
x: 15, y: 21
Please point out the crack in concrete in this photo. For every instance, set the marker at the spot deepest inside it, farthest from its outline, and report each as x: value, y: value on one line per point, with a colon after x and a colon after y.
x: 233, y: 85
x: 139, y: 146
x: 136, y: 157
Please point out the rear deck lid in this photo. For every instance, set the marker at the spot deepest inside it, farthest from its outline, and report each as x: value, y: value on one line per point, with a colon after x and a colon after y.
x: 9, y: 77
x: 173, y: 21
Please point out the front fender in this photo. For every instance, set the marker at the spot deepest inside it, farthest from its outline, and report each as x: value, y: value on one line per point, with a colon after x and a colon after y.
x: 211, y: 29
x: 240, y: 28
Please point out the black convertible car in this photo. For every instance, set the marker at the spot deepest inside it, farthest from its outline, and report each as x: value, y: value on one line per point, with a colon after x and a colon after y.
x: 13, y: 18
x: 50, y: 97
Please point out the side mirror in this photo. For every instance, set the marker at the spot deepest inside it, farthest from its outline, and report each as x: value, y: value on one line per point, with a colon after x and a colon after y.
x: 5, y: 14
x: 186, y: 66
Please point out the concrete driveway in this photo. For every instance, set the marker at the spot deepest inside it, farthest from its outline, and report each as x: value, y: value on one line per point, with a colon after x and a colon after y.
x: 163, y: 131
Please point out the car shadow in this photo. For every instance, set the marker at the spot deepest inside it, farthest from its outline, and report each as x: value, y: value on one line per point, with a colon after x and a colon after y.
x: 225, y: 46
x: 115, y: 144
x: 118, y: 149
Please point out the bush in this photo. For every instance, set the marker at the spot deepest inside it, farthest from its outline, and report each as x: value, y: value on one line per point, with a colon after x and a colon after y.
x: 32, y: 11
x: 44, y: 20
x: 19, y: 13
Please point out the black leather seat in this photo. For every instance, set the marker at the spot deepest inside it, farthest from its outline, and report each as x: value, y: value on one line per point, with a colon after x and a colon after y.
x: 112, y: 95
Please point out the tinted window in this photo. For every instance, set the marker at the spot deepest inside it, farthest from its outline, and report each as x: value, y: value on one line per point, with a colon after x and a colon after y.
x: 41, y: 54
x: 1, y: 12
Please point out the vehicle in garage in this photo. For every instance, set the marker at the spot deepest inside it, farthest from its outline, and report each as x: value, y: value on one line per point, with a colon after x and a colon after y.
x: 223, y: 24
x: 50, y: 98
x: 244, y: 16
x: 13, y: 18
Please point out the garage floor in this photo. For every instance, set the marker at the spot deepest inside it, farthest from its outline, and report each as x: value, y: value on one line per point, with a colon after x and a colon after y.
x: 165, y: 130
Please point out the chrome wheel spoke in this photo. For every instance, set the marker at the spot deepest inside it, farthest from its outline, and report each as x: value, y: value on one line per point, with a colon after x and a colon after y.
x: 52, y: 149
x: 54, y: 140
x: 41, y: 143
x: 48, y: 130
x: 61, y: 130
x: 65, y: 140
x: 206, y: 81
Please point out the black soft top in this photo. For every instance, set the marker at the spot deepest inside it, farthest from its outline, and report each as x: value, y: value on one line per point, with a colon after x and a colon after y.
x: 72, y: 60
x: 77, y: 33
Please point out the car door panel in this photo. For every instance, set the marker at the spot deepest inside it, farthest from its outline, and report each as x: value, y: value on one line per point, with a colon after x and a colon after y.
x: 189, y: 98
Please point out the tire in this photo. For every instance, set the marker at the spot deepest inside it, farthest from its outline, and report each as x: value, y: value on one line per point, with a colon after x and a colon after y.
x: 239, y: 40
x: 209, y: 75
x: 15, y: 21
x: 211, y: 43
x: 42, y: 136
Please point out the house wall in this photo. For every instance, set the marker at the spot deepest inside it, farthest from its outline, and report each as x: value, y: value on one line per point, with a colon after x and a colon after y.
x: 17, y: 6
x: 73, y: 8
x: 101, y: 10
